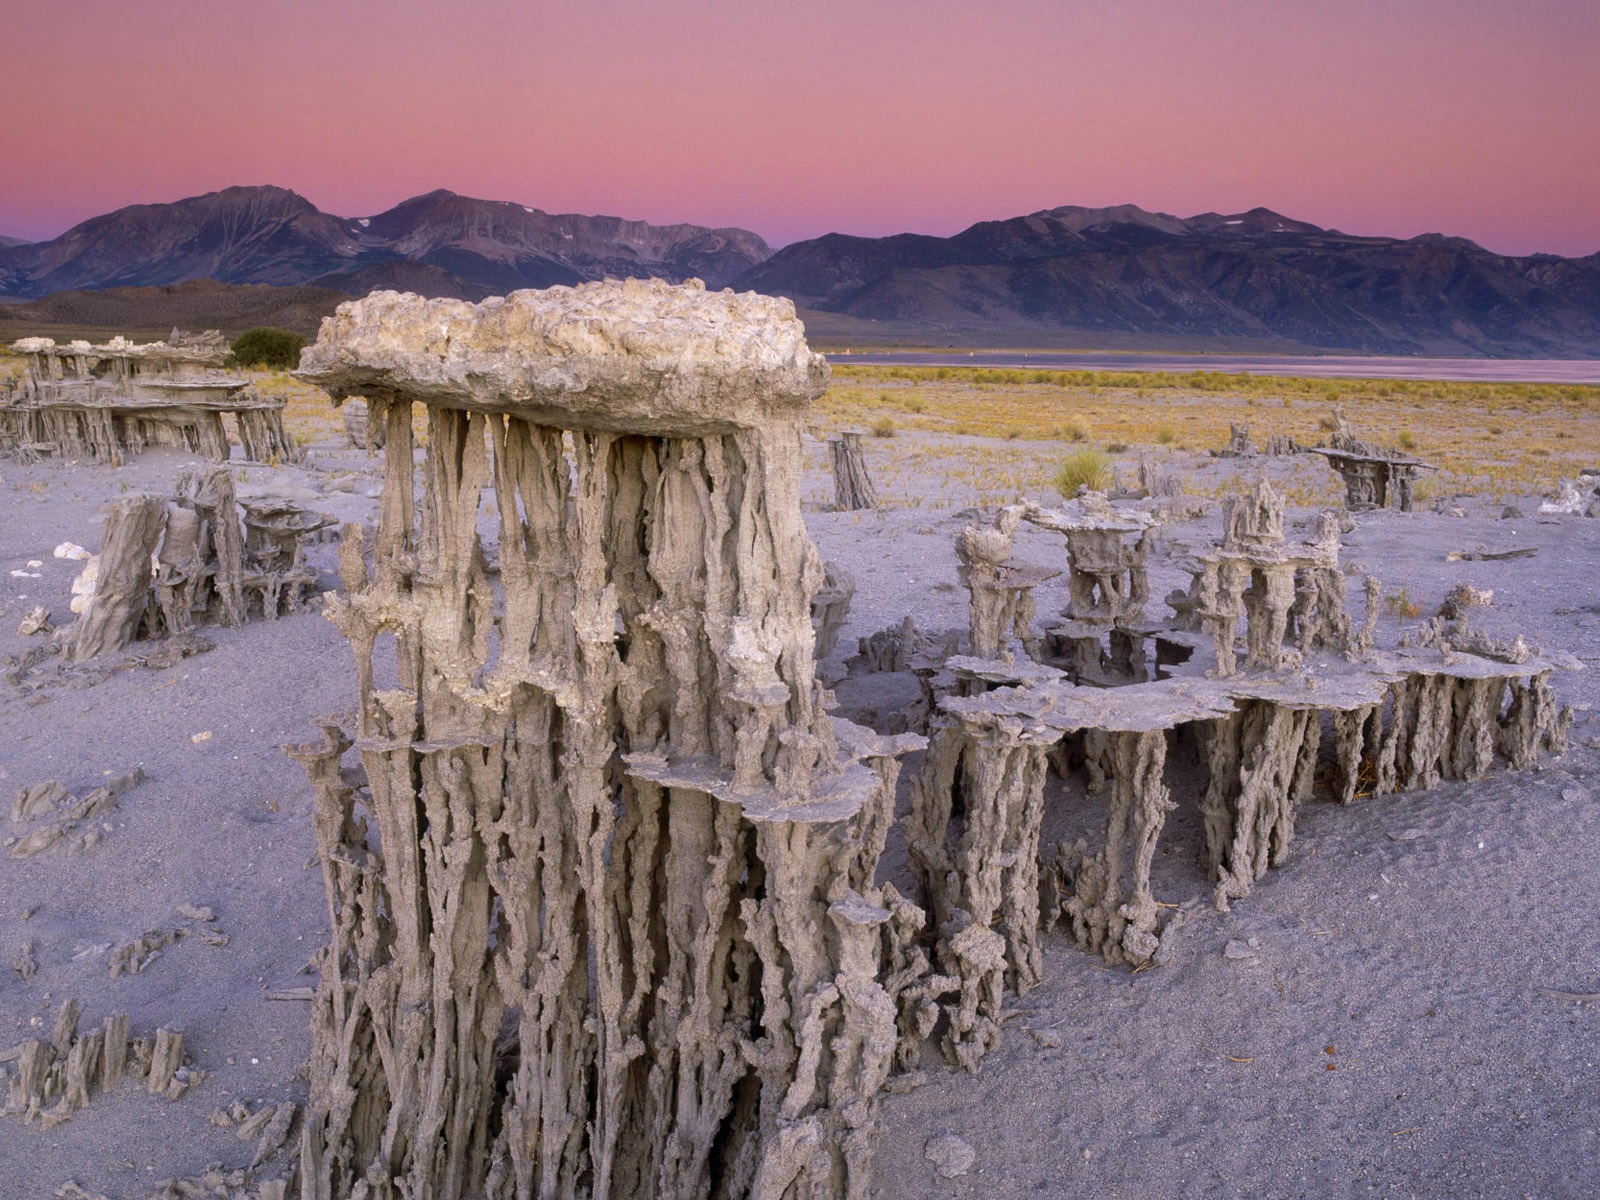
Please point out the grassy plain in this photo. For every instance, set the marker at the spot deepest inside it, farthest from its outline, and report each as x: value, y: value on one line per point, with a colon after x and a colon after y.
x: 1008, y: 431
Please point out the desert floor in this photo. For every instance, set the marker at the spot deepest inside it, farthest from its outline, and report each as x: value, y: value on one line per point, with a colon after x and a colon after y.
x: 1385, y: 1035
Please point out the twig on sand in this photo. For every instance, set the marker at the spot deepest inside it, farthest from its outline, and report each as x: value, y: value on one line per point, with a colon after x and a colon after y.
x: 1574, y: 997
x: 1230, y: 1057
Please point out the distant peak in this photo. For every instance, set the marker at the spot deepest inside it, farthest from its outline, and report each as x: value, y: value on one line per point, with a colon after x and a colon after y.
x: 1445, y: 241
x: 1077, y: 218
x: 247, y: 192
x: 437, y: 196
x: 1256, y: 220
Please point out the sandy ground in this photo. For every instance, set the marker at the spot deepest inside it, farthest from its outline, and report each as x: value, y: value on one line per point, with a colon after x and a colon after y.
x: 1385, y: 1037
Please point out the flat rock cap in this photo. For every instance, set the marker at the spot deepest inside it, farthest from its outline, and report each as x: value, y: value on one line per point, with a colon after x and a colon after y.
x: 636, y: 356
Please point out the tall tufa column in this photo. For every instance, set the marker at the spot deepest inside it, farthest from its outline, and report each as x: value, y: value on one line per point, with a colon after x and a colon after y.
x: 602, y: 893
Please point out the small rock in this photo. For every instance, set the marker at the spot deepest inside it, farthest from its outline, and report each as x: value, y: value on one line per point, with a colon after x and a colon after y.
x: 1237, y: 950
x: 1574, y: 795
x: 1511, y: 513
x: 898, y: 1085
x: 203, y: 736
x: 196, y: 912
x: 1045, y: 1039
x: 37, y: 621
x: 949, y: 1155
x: 1404, y: 835
x: 71, y: 551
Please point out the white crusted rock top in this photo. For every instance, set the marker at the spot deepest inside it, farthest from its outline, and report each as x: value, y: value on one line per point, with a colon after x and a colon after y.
x: 208, y: 349
x: 640, y: 355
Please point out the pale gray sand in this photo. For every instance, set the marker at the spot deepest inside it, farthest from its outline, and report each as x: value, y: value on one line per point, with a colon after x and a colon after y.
x: 1411, y: 935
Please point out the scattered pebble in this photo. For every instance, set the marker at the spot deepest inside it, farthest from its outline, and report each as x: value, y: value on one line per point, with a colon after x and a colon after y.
x: 949, y: 1155
x: 1238, y: 951
x: 203, y: 736
x: 898, y: 1085
x: 37, y: 621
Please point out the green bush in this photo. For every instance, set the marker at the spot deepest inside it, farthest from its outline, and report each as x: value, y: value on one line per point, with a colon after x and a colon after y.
x: 1085, y: 466
x: 265, y: 346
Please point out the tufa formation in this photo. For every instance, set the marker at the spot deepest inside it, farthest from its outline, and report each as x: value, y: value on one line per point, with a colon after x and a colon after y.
x: 602, y: 890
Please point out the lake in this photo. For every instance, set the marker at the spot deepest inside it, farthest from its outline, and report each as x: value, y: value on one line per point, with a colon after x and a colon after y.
x: 1490, y: 370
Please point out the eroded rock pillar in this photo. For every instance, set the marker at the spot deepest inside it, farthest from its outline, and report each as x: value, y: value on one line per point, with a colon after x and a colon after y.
x: 617, y: 932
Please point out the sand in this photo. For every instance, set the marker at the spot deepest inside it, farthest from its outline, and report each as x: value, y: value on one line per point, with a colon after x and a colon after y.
x: 1377, y: 1018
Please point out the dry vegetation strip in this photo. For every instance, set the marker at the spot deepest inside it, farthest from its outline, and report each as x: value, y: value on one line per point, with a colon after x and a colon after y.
x: 1492, y: 439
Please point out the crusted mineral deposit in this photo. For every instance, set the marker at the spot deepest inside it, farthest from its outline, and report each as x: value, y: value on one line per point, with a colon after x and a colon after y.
x: 163, y: 564
x: 1374, y: 477
x: 852, y: 486
x: 602, y: 895
x: 104, y: 401
x: 1305, y: 685
x: 54, y: 1078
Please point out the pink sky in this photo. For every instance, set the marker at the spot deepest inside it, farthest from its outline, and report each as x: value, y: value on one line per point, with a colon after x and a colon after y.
x: 1479, y: 118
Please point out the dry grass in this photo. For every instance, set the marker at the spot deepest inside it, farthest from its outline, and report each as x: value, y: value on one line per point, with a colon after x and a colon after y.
x: 1084, y: 467
x: 1491, y: 439
x: 308, y: 412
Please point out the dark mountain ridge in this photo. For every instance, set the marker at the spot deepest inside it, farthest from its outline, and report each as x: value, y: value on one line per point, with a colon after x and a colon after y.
x: 1255, y: 276
x: 272, y: 235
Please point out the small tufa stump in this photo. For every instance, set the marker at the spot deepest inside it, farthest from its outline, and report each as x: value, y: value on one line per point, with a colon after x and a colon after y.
x: 1374, y: 477
x: 122, y: 588
x: 852, y: 486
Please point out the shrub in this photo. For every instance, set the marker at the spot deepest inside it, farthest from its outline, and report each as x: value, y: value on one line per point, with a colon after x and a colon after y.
x: 1402, y: 604
x: 883, y: 427
x: 1166, y: 436
x: 265, y: 346
x: 1084, y: 467
x: 1075, y: 432
x: 1408, y: 440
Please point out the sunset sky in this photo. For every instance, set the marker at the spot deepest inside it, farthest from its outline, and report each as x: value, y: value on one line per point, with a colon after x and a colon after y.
x: 1472, y: 117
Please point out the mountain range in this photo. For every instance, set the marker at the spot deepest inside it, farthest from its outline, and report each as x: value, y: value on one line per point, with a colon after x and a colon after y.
x: 1107, y: 272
